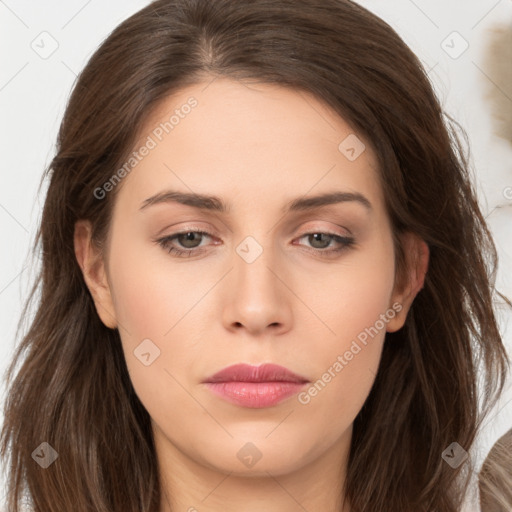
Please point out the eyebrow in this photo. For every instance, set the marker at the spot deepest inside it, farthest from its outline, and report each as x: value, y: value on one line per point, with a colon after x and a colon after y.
x: 216, y: 204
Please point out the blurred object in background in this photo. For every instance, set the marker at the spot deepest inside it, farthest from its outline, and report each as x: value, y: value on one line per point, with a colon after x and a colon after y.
x: 495, y: 478
x: 498, y: 56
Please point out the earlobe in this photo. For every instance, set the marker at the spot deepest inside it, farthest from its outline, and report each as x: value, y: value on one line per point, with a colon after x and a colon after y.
x: 417, y: 256
x: 91, y: 263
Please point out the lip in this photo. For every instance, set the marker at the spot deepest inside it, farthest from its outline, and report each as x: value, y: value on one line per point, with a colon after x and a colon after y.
x: 255, y: 386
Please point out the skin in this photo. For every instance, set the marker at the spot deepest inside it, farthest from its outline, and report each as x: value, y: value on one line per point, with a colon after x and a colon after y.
x: 257, y: 146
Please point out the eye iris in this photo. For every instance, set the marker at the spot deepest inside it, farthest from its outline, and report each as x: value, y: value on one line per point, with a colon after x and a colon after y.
x: 316, y: 236
x: 189, y: 237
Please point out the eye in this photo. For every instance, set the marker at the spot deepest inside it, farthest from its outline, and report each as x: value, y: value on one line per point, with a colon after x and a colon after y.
x: 188, y: 238
x: 321, y: 240
x: 188, y: 241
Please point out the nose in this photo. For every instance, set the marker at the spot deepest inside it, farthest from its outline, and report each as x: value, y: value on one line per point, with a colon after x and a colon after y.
x: 257, y: 295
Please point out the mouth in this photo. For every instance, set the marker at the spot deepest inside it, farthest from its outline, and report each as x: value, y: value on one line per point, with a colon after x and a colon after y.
x: 255, y: 386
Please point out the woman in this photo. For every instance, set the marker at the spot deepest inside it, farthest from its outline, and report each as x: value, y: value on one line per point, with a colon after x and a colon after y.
x: 319, y: 347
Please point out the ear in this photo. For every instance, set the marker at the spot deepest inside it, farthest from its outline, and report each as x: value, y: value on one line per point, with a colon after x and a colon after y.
x: 417, y: 255
x: 91, y: 262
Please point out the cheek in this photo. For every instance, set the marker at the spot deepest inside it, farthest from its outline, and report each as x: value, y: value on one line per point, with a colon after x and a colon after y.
x: 151, y: 294
x: 151, y: 307
x: 356, y: 309
x: 355, y: 292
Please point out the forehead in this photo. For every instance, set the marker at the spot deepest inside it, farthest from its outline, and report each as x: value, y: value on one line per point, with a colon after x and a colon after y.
x: 250, y: 140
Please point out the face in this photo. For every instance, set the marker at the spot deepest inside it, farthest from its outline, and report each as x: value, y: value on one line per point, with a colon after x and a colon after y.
x: 272, y: 277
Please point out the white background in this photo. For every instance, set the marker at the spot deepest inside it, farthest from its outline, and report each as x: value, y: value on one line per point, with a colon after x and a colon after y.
x: 34, y: 91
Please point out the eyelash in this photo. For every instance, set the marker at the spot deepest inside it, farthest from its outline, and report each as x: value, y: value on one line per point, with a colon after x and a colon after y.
x: 346, y: 243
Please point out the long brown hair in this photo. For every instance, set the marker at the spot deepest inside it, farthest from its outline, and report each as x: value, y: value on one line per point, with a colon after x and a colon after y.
x: 73, y: 389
